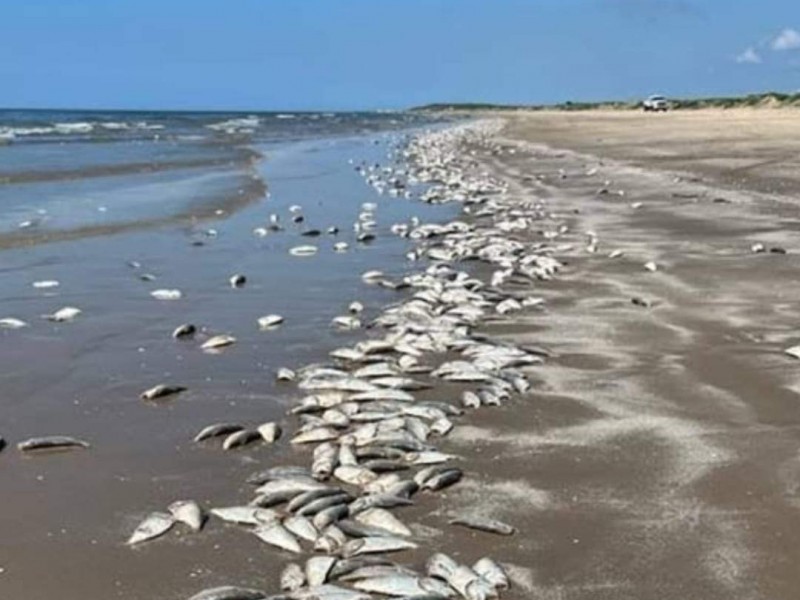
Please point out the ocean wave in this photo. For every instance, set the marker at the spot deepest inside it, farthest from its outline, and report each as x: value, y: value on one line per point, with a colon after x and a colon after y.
x: 75, y: 128
x: 241, y: 125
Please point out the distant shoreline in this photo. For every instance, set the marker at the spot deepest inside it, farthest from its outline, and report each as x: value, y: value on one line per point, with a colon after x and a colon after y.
x: 762, y: 100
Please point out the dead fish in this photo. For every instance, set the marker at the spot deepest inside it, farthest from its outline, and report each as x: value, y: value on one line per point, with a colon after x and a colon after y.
x: 324, y: 460
x: 240, y: 438
x: 377, y: 501
x: 218, y: 341
x: 328, y: 516
x: 277, y: 535
x: 269, y: 321
x: 383, y: 519
x: 188, y: 512
x: 166, y: 294
x: 329, y: 592
x: 183, y: 331
x: 794, y: 351
x: 269, y: 432
x: 285, y: 374
x: 156, y: 524
x: 302, y: 527
x: 229, y: 592
x: 492, y: 572
x: 237, y: 280
x: 280, y: 472
x: 375, y: 545
x: 319, y: 434
x: 216, y: 430
x: 162, y: 390
x: 245, y: 515
x: 442, y: 480
x: 303, y: 250
x: 483, y: 524
x: 318, y: 568
x: 470, y: 399
x: 46, y: 284
x: 407, y: 586
x: 68, y: 313
x: 53, y: 442
x: 292, y: 578
x: 12, y: 323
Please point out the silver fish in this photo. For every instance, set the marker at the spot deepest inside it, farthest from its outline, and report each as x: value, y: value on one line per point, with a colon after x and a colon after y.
x: 277, y: 535
x: 240, y: 438
x: 483, y: 524
x: 217, y: 429
x: 161, y: 391
x: 188, y: 512
x: 292, y: 578
x: 318, y: 568
x: 156, y: 524
x: 52, y: 442
x: 229, y: 592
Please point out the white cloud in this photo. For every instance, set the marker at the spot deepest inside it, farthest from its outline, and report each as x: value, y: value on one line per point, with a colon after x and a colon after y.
x: 788, y: 39
x: 749, y: 56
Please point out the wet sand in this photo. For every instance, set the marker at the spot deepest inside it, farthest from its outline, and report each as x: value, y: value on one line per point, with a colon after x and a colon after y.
x: 657, y: 457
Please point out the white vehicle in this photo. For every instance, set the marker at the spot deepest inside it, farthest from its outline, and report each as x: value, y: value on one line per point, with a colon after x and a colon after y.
x: 655, y: 104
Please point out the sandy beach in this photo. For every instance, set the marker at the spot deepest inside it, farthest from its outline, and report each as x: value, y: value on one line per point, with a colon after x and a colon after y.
x: 661, y: 442
x: 654, y: 455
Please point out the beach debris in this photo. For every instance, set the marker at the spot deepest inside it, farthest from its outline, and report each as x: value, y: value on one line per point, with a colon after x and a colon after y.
x: 165, y: 294
x: 341, y: 247
x: 52, y: 442
x: 217, y: 430
x: 218, y: 341
x: 229, y: 592
x: 651, y: 266
x: 639, y: 301
x: 161, y: 390
x: 483, y: 524
x: 46, y: 284
x: 12, y: 323
x: 68, y: 313
x: 269, y: 321
x: 758, y: 248
x: 615, y: 254
x: 303, y: 250
x: 184, y: 331
x: 154, y: 525
x: 187, y: 512
x: 237, y: 280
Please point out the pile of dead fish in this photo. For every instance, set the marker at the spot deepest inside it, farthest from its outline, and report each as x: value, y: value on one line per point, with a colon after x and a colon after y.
x: 367, y: 416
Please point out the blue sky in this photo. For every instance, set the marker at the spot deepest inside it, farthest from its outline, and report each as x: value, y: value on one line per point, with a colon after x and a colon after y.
x: 352, y: 54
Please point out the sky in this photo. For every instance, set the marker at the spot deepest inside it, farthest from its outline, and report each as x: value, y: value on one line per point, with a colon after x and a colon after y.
x: 384, y: 54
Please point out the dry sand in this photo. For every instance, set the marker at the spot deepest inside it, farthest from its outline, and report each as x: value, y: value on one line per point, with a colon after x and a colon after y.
x: 658, y: 455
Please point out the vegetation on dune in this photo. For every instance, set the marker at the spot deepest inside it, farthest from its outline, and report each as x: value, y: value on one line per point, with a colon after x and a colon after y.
x: 764, y: 100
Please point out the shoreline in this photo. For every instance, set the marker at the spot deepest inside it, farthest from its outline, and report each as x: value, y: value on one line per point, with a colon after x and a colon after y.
x: 654, y: 455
